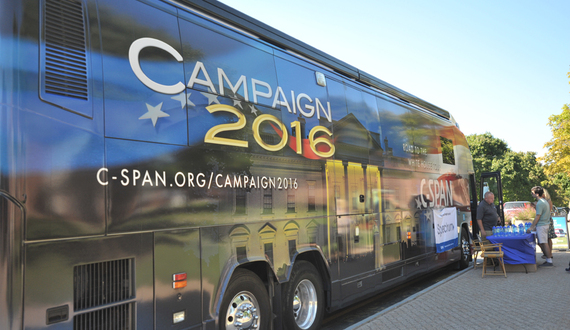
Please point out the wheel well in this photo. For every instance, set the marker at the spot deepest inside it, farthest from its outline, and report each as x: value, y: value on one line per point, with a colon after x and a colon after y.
x: 316, y: 259
x: 260, y: 269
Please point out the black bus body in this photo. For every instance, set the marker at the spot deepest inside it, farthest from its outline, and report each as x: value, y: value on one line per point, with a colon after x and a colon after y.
x: 179, y: 165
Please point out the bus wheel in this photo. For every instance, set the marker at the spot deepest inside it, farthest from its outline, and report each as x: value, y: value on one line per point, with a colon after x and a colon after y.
x: 246, y: 303
x: 465, y: 250
x: 304, y: 298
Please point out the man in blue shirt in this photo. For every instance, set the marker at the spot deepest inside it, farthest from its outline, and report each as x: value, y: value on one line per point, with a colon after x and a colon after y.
x: 540, y: 223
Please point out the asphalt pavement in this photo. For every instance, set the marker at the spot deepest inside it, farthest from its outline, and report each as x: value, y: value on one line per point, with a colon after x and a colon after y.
x: 537, y: 300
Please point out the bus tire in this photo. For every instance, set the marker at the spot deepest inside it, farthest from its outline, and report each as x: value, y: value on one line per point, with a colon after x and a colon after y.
x: 304, y: 298
x: 246, y: 303
x: 465, y: 249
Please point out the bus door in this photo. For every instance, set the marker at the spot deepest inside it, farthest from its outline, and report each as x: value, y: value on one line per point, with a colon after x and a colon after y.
x: 491, y: 181
x: 473, y: 203
x: 357, y: 192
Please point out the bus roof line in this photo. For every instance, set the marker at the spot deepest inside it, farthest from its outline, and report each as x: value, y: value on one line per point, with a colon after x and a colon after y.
x: 273, y: 36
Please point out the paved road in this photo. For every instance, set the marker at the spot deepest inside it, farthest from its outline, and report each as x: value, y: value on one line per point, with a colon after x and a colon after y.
x: 539, y: 300
x: 344, y: 318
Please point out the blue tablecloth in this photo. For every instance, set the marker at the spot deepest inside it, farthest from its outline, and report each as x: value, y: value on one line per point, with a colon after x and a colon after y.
x: 518, y: 249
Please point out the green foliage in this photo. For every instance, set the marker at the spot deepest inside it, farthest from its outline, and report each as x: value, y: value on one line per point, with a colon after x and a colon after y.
x: 520, y: 171
x: 558, y: 185
x: 557, y: 158
x: 485, y: 148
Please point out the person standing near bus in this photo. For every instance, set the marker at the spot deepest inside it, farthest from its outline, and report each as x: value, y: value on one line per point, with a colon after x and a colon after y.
x: 540, y: 224
x: 551, y: 233
x: 487, y: 216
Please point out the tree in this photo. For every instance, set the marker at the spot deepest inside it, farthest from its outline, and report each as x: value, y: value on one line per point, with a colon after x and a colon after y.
x: 485, y: 148
x: 558, y: 185
x: 557, y: 158
x: 520, y: 171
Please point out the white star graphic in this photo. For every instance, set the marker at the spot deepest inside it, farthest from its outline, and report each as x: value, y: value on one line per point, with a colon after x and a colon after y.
x: 429, y: 215
x: 154, y: 113
x: 183, y: 99
x: 238, y: 103
x: 253, y: 109
x: 211, y: 98
x: 418, y: 203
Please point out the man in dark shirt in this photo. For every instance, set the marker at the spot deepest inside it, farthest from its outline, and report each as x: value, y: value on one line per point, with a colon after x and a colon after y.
x: 487, y: 216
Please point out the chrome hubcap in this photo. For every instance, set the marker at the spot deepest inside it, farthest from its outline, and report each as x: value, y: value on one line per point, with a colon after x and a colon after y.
x: 465, y: 246
x: 243, y: 312
x: 305, y: 304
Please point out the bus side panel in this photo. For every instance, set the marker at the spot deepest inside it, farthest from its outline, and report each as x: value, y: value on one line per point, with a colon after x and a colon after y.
x: 57, y: 146
x: 35, y: 70
x: 453, y: 176
x: 11, y: 218
x: 177, y: 252
x: 60, y: 164
x: 90, y: 279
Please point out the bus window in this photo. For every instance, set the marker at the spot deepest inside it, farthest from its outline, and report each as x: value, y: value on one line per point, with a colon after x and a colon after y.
x: 302, y: 100
x: 363, y: 126
x: 447, y: 151
x: 396, y: 128
x: 143, y: 63
x: 337, y: 98
x: 222, y: 59
x: 425, y: 149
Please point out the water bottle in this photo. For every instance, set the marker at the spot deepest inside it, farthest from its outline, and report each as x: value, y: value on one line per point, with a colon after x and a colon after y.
x: 521, y: 229
x: 494, y: 230
x: 514, y: 229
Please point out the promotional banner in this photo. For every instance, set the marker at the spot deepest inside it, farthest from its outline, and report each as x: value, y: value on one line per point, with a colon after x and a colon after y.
x: 561, y: 241
x: 445, y: 226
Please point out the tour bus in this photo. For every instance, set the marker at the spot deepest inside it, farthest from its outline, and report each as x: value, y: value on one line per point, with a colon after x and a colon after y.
x: 176, y: 164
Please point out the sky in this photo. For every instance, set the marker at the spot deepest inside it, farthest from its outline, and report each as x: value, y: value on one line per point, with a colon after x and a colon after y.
x: 497, y: 66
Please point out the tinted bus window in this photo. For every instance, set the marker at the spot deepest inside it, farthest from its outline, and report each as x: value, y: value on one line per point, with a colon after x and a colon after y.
x: 397, y: 129
x: 424, y: 150
x: 358, y: 134
x: 135, y: 108
x: 221, y: 65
